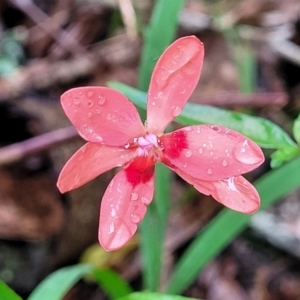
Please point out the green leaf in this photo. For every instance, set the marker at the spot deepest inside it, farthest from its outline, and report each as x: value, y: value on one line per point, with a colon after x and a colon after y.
x: 228, y: 224
x: 111, y: 283
x: 156, y: 220
x: 263, y: 132
x: 57, y: 284
x: 154, y: 296
x: 158, y: 36
x: 296, y: 130
x: 7, y: 293
x: 283, y: 155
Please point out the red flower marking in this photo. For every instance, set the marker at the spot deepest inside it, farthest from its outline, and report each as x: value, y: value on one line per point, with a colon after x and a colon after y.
x: 211, y: 158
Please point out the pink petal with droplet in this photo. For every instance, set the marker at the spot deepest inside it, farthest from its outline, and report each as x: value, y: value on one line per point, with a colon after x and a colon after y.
x: 174, y: 78
x: 102, y: 115
x: 123, y: 207
x: 235, y: 193
x: 210, y: 152
x: 90, y: 161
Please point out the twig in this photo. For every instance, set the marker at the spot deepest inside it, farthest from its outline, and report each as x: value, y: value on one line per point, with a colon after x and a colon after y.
x: 128, y: 17
x: 62, y: 37
x: 15, y: 152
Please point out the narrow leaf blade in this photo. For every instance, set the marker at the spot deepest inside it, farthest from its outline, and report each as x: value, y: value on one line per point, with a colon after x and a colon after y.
x: 7, y: 293
x: 262, y: 131
x: 228, y: 224
x: 57, y: 284
x: 154, y: 296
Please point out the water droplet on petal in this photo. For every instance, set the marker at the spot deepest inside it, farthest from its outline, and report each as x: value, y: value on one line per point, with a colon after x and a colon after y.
x: 135, y: 218
x: 188, y: 153
x: 188, y: 128
x: 185, y: 165
x: 101, y: 100
x: 134, y: 196
x: 246, y: 153
x: 200, y: 150
x: 176, y: 111
x: 146, y: 200
x: 91, y: 103
x: 76, y: 101
x: 90, y: 94
x: 198, y: 130
x: 215, y: 128
x: 209, y: 171
x: 224, y: 163
x: 98, y: 111
x: 153, y: 103
x: 89, y: 114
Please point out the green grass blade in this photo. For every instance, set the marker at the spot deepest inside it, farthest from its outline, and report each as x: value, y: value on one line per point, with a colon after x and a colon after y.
x: 111, y: 283
x: 57, y: 284
x: 153, y: 229
x: 154, y: 296
x: 228, y: 224
x: 7, y: 293
x: 159, y: 34
x: 262, y: 131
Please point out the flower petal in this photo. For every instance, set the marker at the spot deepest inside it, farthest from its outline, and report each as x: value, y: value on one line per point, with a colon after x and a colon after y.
x: 174, y: 78
x: 210, y: 152
x: 235, y: 193
x: 123, y: 207
x: 90, y: 161
x: 101, y: 114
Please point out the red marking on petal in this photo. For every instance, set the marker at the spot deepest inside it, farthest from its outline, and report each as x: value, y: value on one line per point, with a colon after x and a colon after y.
x: 174, y: 143
x: 140, y: 170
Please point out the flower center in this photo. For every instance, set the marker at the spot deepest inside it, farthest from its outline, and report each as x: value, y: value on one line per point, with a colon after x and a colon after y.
x: 146, y: 143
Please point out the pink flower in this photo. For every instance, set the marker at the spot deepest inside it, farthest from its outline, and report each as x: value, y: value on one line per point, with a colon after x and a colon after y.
x: 211, y: 158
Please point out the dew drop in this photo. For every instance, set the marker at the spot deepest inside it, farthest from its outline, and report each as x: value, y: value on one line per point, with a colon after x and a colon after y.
x: 98, y: 111
x: 198, y: 130
x: 188, y: 153
x: 188, y: 128
x: 215, y: 128
x: 146, y: 200
x: 134, y: 196
x: 89, y: 114
x: 90, y: 94
x: 101, y: 100
x: 246, y: 153
x: 153, y: 103
x: 91, y: 103
x: 76, y: 101
x: 185, y: 165
x: 135, y: 218
x: 224, y: 163
x: 176, y: 111
x: 209, y: 171
x: 200, y: 150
